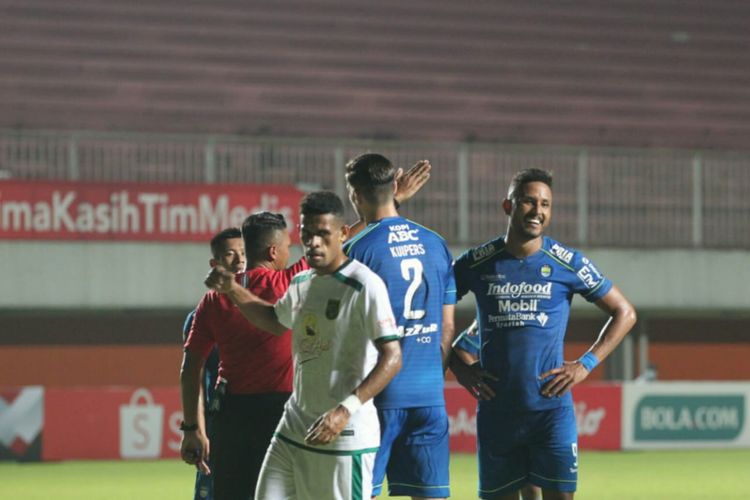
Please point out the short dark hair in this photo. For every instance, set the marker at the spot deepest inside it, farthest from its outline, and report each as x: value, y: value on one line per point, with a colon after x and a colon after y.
x: 372, y: 175
x: 217, y: 242
x: 258, y: 231
x: 524, y: 177
x: 321, y: 203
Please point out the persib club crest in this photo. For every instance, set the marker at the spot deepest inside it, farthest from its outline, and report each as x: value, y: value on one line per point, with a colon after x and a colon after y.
x: 545, y: 271
x: 332, y: 308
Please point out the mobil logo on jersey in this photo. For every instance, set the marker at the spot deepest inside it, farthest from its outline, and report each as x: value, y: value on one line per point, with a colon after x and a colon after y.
x: 518, y: 305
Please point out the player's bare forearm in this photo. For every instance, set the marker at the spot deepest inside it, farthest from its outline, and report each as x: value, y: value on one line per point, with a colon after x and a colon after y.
x: 194, y: 448
x: 388, y: 365
x: 449, y: 334
x: 328, y: 426
x: 256, y: 310
x: 190, y: 375
x: 622, y: 318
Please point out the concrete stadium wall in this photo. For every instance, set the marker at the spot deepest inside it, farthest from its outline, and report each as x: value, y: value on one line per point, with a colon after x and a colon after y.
x: 83, y: 314
x: 92, y: 275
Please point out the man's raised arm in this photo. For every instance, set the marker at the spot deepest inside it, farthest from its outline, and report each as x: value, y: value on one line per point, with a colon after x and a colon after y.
x: 256, y: 310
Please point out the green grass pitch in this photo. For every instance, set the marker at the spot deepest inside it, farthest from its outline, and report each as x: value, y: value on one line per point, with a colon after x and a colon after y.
x: 652, y: 475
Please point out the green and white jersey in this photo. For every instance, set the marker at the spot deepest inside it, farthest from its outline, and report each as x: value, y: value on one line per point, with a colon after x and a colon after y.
x: 335, y: 320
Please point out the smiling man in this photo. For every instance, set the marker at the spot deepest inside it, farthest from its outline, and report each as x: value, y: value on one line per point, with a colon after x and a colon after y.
x: 523, y: 283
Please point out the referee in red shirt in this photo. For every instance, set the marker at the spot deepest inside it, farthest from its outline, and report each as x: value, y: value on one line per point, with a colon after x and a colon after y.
x: 256, y: 365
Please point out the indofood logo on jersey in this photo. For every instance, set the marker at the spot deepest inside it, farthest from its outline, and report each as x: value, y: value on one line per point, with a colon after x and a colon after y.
x: 689, y: 418
x: 521, y: 290
x: 528, y: 293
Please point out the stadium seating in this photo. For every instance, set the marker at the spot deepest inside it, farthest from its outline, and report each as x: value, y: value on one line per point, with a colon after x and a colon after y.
x: 628, y: 73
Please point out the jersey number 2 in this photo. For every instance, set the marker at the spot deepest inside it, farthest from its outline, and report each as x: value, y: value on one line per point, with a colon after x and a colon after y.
x: 411, y: 271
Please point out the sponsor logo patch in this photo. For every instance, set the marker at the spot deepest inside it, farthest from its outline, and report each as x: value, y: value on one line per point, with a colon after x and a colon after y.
x: 482, y: 252
x: 542, y: 317
x: 311, y: 324
x: 561, y: 253
x: 589, y: 278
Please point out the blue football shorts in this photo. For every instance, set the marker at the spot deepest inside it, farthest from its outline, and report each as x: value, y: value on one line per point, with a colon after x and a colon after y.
x: 414, y: 452
x: 517, y: 448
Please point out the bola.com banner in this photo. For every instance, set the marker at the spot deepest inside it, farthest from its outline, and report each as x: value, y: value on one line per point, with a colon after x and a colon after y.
x: 135, y: 212
x: 662, y: 415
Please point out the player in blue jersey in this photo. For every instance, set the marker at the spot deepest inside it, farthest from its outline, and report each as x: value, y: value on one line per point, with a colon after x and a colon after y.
x: 415, y: 265
x: 467, y: 347
x: 523, y: 284
x: 228, y: 250
x: 204, y: 484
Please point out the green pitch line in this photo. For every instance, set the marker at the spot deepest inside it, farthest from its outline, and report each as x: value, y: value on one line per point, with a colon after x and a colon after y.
x: 603, y: 476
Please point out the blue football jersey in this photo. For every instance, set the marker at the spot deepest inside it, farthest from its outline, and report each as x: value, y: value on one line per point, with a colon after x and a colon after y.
x: 523, y: 307
x: 415, y: 265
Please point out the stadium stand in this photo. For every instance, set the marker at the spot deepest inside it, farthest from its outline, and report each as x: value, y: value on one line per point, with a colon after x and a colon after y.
x: 624, y: 72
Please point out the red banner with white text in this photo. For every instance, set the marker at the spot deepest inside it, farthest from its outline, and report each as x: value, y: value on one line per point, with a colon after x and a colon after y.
x: 599, y: 416
x: 143, y: 422
x: 136, y: 212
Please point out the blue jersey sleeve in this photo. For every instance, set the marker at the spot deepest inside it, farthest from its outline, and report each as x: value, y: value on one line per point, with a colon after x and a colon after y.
x: 590, y: 283
x: 461, y: 275
x: 450, y: 281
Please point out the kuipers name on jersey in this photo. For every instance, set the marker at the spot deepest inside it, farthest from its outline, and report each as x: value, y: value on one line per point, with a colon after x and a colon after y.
x: 409, y: 250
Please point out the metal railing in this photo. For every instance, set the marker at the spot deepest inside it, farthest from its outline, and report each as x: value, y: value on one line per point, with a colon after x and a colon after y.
x: 603, y: 197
